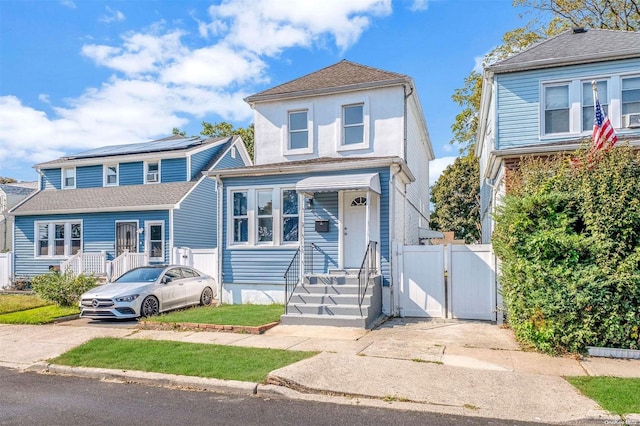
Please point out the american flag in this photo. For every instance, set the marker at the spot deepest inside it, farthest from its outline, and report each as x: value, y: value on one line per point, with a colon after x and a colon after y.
x: 603, y: 134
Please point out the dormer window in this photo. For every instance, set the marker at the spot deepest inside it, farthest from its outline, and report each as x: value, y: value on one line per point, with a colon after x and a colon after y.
x: 111, y: 175
x: 152, y: 172
x: 69, y: 178
x: 298, y: 130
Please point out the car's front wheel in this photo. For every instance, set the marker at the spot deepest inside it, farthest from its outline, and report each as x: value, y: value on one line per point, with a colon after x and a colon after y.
x: 150, y: 307
x: 206, y: 297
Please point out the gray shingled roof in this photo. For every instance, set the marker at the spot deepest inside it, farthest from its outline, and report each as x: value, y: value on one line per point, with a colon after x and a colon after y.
x: 70, y: 159
x: 119, y: 198
x: 344, y: 75
x: 573, y: 47
x: 15, y: 189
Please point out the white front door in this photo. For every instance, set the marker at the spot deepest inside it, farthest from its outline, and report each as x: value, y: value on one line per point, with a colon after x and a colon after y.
x: 354, y: 229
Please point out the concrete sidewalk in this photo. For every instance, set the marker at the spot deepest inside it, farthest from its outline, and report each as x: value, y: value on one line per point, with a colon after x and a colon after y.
x: 455, y: 367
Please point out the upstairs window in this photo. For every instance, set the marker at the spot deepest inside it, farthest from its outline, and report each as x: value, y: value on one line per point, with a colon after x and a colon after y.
x: 111, y: 175
x: 587, y: 102
x: 353, y: 124
x: 298, y: 130
x: 152, y: 172
x: 630, y: 95
x: 556, y: 109
x: 69, y: 178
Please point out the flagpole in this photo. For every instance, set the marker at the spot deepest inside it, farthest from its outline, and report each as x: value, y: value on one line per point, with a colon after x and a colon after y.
x: 594, y: 87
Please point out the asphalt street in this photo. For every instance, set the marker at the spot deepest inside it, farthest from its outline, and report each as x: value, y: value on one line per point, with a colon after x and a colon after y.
x: 28, y: 398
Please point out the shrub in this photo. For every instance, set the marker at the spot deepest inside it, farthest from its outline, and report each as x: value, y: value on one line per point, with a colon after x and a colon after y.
x: 62, y: 289
x: 569, y: 242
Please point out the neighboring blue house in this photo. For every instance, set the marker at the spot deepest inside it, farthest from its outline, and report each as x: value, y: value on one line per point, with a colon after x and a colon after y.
x: 539, y: 102
x: 340, y: 176
x: 109, y: 209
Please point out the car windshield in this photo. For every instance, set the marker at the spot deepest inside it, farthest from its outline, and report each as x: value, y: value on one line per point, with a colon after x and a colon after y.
x: 140, y: 275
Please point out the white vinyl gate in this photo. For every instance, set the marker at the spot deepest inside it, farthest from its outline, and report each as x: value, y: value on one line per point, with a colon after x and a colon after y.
x: 5, y: 269
x: 204, y: 260
x: 447, y: 281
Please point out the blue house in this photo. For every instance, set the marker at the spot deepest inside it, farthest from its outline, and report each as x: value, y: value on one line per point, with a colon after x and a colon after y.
x: 109, y: 209
x: 340, y: 177
x: 539, y: 102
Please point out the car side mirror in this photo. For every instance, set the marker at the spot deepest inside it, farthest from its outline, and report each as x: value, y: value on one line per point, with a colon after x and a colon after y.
x: 166, y: 280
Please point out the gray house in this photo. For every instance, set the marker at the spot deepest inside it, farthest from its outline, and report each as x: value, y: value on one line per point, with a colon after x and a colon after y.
x: 10, y: 195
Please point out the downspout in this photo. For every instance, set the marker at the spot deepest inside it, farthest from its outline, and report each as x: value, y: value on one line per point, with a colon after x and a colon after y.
x: 219, y: 226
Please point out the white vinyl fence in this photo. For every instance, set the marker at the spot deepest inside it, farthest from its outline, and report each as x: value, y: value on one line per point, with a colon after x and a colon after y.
x: 6, y: 263
x: 447, y: 281
x: 204, y: 260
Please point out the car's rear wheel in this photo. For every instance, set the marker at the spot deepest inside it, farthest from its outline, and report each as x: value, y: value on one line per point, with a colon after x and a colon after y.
x: 150, y: 307
x: 206, y: 297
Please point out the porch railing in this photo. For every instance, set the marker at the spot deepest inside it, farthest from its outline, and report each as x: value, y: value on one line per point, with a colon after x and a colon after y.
x: 291, y: 279
x: 85, y: 263
x: 367, y: 268
x: 125, y: 262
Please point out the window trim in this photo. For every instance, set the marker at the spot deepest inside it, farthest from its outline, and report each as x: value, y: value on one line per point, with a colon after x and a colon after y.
x: 68, y: 247
x: 146, y: 171
x: 63, y: 183
x: 286, y: 150
x: 543, y: 110
x: 252, y: 217
x: 147, y: 239
x: 366, y: 123
x: 105, y: 174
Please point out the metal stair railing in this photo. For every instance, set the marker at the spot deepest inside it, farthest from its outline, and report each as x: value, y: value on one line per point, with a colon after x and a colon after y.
x: 367, y: 268
x: 291, y: 279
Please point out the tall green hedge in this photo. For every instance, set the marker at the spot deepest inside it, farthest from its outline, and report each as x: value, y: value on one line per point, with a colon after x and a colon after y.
x: 569, y: 242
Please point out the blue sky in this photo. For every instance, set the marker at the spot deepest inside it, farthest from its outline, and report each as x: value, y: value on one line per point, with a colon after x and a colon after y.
x: 78, y: 74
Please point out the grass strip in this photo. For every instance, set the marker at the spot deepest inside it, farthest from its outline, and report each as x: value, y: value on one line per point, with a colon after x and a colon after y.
x: 615, y: 394
x: 42, y: 315
x: 248, y: 315
x: 189, y: 359
x: 19, y: 302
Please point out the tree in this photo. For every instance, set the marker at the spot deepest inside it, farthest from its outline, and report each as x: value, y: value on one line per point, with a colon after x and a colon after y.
x: 7, y: 180
x: 178, y: 132
x: 224, y: 129
x: 456, y: 198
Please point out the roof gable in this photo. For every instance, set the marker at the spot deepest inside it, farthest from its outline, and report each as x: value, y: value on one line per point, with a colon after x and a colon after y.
x: 343, y: 76
x: 577, y: 46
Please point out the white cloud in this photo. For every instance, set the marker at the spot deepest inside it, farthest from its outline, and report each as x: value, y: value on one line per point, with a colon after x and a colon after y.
x: 68, y: 3
x: 160, y: 82
x: 419, y: 5
x: 447, y: 147
x: 437, y: 166
x: 267, y: 27
x: 111, y: 16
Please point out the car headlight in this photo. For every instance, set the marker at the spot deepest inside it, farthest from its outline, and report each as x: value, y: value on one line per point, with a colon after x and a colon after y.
x: 129, y: 298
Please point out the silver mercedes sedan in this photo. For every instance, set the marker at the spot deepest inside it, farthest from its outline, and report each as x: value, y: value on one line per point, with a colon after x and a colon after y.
x: 147, y: 291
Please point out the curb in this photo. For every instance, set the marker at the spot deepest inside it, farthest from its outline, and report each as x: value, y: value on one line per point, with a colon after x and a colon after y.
x: 150, y: 379
x: 185, y: 326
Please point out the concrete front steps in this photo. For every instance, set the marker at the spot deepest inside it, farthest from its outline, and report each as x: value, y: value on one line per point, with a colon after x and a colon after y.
x: 333, y: 300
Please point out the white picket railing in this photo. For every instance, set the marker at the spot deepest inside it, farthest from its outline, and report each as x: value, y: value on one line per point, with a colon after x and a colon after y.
x: 5, y: 269
x: 86, y: 263
x: 125, y: 262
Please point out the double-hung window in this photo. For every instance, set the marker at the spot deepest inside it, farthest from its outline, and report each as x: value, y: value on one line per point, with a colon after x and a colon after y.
x: 289, y: 216
x: 240, y: 217
x: 587, y: 102
x: 155, y: 240
x: 630, y: 95
x: 298, y: 130
x: 556, y: 109
x: 58, y: 239
x: 69, y: 178
x: 152, y: 172
x: 353, y: 124
x: 111, y: 175
x: 264, y: 215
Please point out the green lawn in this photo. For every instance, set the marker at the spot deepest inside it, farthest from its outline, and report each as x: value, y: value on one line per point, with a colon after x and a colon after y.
x: 19, y: 302
x: 41, y: 315
x: 614, y: 394
x: 190, y: 359
x: 249, y: 315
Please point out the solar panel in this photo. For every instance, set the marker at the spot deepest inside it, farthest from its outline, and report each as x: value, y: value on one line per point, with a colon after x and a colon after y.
x: 138, y: 148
